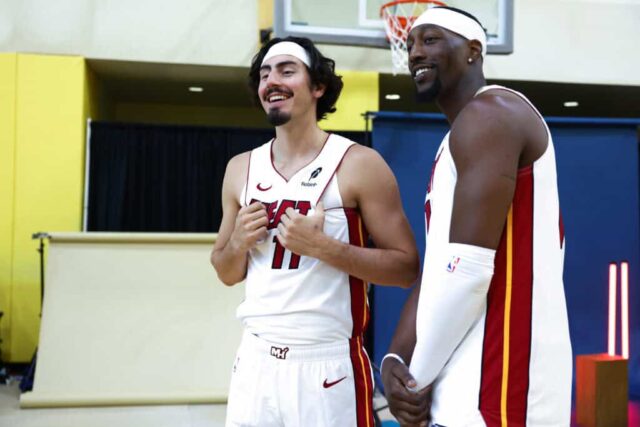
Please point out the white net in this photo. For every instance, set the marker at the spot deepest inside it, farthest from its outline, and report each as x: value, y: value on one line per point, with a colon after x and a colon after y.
x: 398, y: 16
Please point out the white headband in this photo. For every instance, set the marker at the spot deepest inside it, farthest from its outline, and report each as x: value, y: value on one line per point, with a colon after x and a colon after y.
x: 453, y: 21
x: 288, y: 48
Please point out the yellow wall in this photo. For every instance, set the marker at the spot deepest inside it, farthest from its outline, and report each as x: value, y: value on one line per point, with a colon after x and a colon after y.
x: 8, y: 64
x: 359, y: 95
x: 47, y: 174
x: 96, y: 102
x: 265, y: 14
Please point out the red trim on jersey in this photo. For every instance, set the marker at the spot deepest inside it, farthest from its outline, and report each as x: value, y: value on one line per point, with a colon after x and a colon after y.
x: 358, y: 287
x: 561, y: 228
x: 296, y: 172
x: 495, y: 388
x: 433, y: 171
x: 334, y: 172
x: 360, y: 318
x: 427, y: 213
x: 427, y: 203
x: 492, y: 348
x: 363, y: 383
x: 246, y: 184
x: 521, y: 300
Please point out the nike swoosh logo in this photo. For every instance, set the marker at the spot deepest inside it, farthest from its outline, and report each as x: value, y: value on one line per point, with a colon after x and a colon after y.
x: 261, y: 188
x: 326, y: 384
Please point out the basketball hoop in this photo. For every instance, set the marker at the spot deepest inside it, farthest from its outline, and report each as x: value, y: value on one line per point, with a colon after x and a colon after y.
x: 398, y: 17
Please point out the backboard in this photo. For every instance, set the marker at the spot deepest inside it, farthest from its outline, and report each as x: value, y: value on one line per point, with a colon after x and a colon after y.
x: 358, y: 23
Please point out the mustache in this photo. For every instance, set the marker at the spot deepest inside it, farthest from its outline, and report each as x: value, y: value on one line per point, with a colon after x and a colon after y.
x: 273, y: 90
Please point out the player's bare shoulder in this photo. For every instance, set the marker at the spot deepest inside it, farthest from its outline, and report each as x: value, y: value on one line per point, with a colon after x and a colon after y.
x: 362, y: 169
x: 498, y: 121
x: 491, y: 121
x: 360, y: 163
x: 239, y: 162
x: 235, y: 175
x: 493, y: 108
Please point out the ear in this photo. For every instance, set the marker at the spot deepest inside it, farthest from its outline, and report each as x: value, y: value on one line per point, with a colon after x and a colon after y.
x: 475, y: 50
x: 318, y: 90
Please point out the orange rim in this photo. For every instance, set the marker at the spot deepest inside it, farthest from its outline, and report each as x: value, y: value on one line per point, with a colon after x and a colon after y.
x: 397, y: 2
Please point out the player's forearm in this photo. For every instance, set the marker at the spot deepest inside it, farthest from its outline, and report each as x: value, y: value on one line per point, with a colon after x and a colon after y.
x: 404, y: 338
x: 230, y: 264
x: 392, y: 267
x: 449, y: 304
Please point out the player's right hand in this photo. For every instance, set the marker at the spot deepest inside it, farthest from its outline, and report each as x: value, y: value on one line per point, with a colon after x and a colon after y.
x: 409, y: 407
x: 251, y: 226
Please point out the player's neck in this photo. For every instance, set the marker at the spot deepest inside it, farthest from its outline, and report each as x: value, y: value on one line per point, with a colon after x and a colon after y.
x: 455, y: 99
x: 296, y: 145
x: 299, y: 138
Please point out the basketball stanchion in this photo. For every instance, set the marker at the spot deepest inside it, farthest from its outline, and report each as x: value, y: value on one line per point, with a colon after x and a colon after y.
x: 601, y: 379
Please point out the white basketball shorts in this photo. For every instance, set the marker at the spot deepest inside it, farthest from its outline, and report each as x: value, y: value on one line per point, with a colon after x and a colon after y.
x: 274, y: 385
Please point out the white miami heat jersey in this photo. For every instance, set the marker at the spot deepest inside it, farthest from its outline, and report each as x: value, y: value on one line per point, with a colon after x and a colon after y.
x: 293, y: 299
x: 513, y: 367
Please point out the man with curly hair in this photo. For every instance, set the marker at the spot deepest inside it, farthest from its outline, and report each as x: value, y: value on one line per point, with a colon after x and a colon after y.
x: 296, y: 212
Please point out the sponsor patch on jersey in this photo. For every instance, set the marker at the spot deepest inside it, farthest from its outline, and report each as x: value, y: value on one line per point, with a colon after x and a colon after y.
x: 451, y: 267
x: 313, y: 175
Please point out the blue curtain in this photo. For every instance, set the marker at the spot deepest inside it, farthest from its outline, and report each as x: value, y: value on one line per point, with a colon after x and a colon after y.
x: 598, y: 182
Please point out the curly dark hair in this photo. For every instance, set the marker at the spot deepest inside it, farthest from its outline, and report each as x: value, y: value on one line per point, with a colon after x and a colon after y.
x: 322, y: 72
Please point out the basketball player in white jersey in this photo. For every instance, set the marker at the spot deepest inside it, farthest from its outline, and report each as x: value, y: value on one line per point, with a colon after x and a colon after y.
x: 296, y: 212
x: 486, y: 333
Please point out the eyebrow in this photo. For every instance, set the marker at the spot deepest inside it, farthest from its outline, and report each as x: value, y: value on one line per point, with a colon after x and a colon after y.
x: 279, y: 65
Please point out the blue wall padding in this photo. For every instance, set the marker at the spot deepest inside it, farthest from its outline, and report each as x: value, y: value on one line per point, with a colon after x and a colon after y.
x: 598, y: 182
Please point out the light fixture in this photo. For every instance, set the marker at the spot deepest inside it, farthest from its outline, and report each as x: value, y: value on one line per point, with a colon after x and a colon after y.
x: 624, y: 309
x: 195, y: 89
x: 392, y: 96
x: 571, y: 104
x: 613, y: 285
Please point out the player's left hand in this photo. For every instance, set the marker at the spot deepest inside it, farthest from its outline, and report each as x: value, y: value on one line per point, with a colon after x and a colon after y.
x: 299, y: 233
x: 411, y: 408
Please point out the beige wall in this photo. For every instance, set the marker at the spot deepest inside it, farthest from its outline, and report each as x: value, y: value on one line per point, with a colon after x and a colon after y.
x: 582, y: 41
x: 220, y: 32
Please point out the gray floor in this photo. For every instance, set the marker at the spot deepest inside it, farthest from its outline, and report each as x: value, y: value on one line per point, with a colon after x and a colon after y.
x: 122, y: 416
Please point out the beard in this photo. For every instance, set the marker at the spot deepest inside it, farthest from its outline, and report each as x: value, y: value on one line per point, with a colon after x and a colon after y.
x: 277, y: 117
x: 431, y: 93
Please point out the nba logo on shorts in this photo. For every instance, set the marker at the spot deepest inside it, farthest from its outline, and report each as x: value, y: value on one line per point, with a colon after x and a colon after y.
x: 451, y: 267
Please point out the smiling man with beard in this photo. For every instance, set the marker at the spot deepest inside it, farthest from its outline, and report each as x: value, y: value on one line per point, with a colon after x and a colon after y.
x: 296, y: 212
x: 486, y: 332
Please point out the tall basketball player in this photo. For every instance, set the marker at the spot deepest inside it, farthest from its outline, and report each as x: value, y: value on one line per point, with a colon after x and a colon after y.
x: 487, y: 330
x: 296, y: 215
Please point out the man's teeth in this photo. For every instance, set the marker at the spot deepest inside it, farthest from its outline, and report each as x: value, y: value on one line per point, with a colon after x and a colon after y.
x: 277, y: 98
x: 422, y: 71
